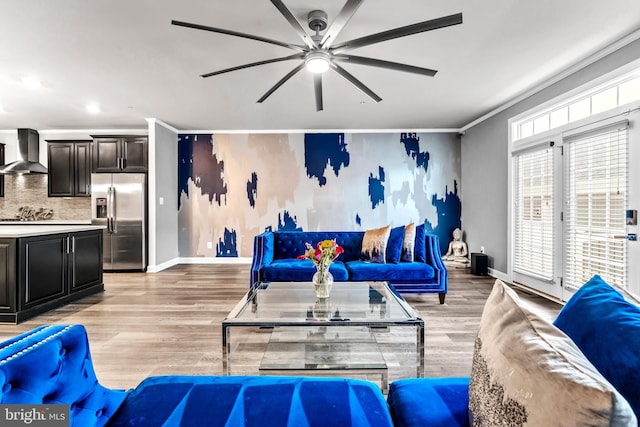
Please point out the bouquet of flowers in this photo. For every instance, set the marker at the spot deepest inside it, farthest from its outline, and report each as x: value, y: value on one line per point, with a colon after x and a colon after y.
x: 323, y: 254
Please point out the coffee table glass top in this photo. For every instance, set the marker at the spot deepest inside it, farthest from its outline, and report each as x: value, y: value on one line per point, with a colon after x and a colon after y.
x: 291, y: 303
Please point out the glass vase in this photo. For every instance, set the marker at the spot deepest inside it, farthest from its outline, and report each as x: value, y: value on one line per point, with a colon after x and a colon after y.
x: 322, y: 281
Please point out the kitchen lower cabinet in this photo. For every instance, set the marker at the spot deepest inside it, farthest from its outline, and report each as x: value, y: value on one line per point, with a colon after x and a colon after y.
x: 44, y: 272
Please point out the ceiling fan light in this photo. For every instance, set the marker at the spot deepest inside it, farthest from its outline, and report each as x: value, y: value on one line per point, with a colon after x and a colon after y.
x: 317, y: 62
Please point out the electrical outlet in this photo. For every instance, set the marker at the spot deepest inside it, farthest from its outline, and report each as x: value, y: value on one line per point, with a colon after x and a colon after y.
x: 209, y: 245
x: 481, y: 249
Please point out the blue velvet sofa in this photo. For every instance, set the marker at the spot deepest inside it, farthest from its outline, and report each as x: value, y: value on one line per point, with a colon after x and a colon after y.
x: 52, y: 365
x: 275, y: 260
x: 602, y: 321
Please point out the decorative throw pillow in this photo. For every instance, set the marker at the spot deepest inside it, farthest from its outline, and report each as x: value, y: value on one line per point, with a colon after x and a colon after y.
x: 420, y: 248
x: 526, y: 372
x: 394, y: 244
x: 605, y: 324
x: 374, y: 244
x: 409, y: 243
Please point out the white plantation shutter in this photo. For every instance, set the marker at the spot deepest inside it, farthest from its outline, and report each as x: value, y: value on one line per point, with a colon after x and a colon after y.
x: 596, y: 182
x: 534, y: 213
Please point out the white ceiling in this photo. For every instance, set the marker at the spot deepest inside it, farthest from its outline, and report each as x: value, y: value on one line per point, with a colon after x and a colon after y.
x: 127, y: 57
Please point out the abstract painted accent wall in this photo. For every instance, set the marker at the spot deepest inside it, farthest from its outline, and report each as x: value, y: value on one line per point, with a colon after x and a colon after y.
x: 234, y: 186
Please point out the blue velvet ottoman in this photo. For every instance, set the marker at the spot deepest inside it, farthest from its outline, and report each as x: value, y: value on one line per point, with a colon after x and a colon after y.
x: 53, y: 365
x: 433, y: 402
x: 253, y: 401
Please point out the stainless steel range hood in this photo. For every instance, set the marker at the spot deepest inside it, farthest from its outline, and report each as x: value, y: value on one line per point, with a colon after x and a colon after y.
x: 29, y: 149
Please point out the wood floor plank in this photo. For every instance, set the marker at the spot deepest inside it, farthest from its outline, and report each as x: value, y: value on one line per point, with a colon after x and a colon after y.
x: 170, y: 323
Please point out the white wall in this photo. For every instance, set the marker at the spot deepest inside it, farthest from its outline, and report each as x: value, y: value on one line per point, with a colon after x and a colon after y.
x: 485, y: 159
x: 163, y: 188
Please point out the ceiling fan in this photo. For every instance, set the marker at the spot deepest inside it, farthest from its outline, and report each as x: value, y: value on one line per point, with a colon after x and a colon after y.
x: 320, y: 52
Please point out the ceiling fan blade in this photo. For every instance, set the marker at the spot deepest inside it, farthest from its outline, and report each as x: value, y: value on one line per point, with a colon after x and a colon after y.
x: 338, y: 24
x: 357, y: 83
x: 237, y: 34
x: 352, y: 59
x: 408, y: 30
x: 254, y: 64
x: 317, y: 86
x: 294, y: 23
x: 280, y: 83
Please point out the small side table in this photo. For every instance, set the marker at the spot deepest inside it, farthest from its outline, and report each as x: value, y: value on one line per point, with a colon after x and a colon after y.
x: 479, y: 264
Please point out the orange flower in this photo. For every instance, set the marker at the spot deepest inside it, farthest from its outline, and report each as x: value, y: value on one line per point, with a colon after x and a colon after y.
x: 323, y: 254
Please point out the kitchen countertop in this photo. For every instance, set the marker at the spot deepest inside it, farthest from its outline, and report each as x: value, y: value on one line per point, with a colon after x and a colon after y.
x: 47, y: 222
x: 14, y: 231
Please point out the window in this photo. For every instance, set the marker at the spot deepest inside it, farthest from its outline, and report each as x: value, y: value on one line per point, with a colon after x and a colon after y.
x: 596, y: 178
x: 533, y: 251
x: 620, y: 91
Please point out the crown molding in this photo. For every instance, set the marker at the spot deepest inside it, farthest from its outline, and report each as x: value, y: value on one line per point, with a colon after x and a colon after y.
x: 555, y: 79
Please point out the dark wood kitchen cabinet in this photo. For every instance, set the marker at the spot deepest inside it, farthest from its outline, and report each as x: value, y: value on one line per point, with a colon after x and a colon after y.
x: 69, y: 168
x: 120, y: 153
x: 7, y: 276
x: 42, y: 272
x: 1, y: 176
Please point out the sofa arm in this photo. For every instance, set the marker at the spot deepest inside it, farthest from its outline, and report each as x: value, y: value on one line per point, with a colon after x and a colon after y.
x: 434, y: 402
x: 263, y: 247
x: 434, y: 258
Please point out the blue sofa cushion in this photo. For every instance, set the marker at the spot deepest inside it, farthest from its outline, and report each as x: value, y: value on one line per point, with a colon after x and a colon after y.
x: 290, y: 244
x: 299, y: 270
x: 420, y: 248
x: 253, y: 401
x: 433, y: 402
x: 404, y: 271
x: 394, y: 245
x: 606, y: 328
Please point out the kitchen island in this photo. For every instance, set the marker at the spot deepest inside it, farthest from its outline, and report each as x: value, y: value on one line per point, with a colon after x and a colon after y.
x: 46, y: 266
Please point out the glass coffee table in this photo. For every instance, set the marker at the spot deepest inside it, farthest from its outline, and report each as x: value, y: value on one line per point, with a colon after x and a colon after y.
x: 339, y: 333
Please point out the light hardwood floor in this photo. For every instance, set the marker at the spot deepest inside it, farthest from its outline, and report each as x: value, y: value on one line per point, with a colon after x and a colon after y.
x: 170, y: 323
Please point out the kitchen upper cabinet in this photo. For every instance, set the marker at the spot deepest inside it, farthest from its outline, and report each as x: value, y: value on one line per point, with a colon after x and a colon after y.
x: 69, y: 168
x: 120, y: 153
x: 1, y: 176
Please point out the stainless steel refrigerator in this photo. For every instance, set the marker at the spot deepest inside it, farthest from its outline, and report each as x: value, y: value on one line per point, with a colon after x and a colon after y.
x: 118, y: 202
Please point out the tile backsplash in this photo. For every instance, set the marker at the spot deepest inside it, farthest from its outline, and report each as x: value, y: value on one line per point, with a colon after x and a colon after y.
x: 31, y: 190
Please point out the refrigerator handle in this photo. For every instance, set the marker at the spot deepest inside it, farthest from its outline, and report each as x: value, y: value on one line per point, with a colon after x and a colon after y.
x: 114, y: 211
x: 109, y: 204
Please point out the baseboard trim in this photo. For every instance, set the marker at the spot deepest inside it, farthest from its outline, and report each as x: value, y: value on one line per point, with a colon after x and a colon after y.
x: 214, y: 260
x: 197, y: 260
x: 499, y: 275
x: 163, y: 266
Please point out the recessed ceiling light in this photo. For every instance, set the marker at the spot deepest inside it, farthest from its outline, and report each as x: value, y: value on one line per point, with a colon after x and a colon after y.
x: 31, y: 82
x: 93, y: 108
x: 1, y: 110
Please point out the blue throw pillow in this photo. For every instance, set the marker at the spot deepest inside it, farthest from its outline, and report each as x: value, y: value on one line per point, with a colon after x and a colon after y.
x: 394, y: 245
x: 420, y: 249
x: 606, y: 328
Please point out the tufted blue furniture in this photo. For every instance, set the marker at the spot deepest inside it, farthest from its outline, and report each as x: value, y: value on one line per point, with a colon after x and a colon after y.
x: 275, y: 260
x: 604, y: 322
x: 52, y: 365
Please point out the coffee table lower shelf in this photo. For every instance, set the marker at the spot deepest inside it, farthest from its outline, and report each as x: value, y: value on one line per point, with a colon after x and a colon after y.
x: 319, y: 352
